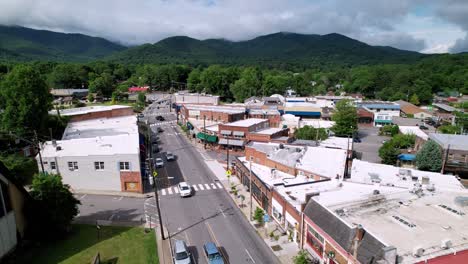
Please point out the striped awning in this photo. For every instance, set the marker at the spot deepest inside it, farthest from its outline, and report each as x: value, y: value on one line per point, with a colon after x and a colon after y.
x: 232, y: 142
x: 226, y: 132
x: 239, y: 133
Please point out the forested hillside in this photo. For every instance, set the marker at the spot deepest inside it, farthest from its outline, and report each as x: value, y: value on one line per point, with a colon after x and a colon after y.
x: 280, y: 50
x: 24, y: 44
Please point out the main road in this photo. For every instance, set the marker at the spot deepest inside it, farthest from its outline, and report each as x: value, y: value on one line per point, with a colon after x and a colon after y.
x: 208, y: 215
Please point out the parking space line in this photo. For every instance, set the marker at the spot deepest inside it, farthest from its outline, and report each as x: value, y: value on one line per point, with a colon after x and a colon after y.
x: 219, y: 185
x: 201, y: 187
x: 207, y: 186
x: 250, y: 256
x: 83, y: 196
x: 213, y: 186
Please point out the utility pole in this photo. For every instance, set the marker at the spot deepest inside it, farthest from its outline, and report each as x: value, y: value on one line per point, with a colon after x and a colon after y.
x: 156, y: 196
x: 250, y: 187
x: 204, y: 132
x: 38, y: 146
x: 227, y: 152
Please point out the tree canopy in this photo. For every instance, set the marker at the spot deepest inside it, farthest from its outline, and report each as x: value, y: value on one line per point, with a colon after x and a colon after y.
x: 345, y: 118
x: 429, y: 158
x: 311, y: 133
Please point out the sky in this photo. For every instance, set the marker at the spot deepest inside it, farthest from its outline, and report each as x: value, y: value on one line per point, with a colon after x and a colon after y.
x: 428, y: 26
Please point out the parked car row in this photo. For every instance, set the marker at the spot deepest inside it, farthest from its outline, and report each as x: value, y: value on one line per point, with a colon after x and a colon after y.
x: 183, y: 256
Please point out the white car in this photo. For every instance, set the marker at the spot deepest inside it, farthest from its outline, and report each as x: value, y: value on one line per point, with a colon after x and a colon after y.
x: 170, y: 156
x: 159, y: 163
x: 184, y: 189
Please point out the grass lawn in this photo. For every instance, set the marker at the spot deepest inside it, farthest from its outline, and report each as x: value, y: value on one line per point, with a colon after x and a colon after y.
x: 115, y: 245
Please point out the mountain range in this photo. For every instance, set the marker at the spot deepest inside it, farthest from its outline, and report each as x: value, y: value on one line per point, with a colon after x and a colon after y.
x: 279, y: 49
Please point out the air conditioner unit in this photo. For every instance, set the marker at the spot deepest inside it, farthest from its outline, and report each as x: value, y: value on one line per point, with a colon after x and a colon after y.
x: 418, y: 251
x: 430, y: 187
x: 446, y: 244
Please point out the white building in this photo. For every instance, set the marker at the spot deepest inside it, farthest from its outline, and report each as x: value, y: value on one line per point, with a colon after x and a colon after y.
x: 383, y: 111
x: 98, y: 154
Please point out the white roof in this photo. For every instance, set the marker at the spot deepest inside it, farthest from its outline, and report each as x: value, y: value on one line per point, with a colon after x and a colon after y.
x: 216, y: 108
x: 290, y: 117
x: 198, y: 123
x: 413, y: 130
x: 104, y: 136
x: 284, y: 154
x: 213, y: 128
x: 325, y: 162
x: 367, y: 172
x: 269, y: 131
x: 88, y: 109
x: 336, y: 142
x: 101, y: 127
x: 317, y: 123
x: 379, y: 214
x: 246, y: 122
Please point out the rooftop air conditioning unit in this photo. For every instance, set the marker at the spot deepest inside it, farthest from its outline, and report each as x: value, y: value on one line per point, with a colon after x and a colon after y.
x: 425, y: 180
x: 446, y: 244
x: 376, y: 192
x: 418, y: 251
x: 430, y: 187
x: 58, y: 148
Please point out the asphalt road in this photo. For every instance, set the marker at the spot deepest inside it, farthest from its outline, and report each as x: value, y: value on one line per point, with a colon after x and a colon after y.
x: 210, y: 214
x: 371, y: 142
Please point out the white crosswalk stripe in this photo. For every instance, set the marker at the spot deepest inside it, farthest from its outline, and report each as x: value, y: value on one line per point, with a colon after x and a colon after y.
x: 201, y: 187
x: 195, y: 187
x: 219, y: 185
x: 169, y: 190
x: 207, y: 186
x: 176, y: 190
x: 163, y: 192
x: 213, y: 186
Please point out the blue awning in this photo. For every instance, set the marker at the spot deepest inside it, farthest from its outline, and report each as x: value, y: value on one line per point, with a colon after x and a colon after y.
x: 303, y: 113
x: 407, y: 157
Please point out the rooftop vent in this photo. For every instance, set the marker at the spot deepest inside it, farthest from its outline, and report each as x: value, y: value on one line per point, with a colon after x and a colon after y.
x: 446, y: 244
x: 376, y: 192
x: 418, y: 251
x: 425, y: 180
x: 404, y: 172
x: 58, y: 148
x: 403, y: 221
x: 430, y: 187
x: 448, y: 208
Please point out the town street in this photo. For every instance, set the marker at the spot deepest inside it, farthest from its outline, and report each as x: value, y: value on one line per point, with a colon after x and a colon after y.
x: 210, y: 214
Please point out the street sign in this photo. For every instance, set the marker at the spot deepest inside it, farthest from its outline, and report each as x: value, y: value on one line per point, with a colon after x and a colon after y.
x: 266, y: 218
x: 155, y: 173
x: 228, y: 172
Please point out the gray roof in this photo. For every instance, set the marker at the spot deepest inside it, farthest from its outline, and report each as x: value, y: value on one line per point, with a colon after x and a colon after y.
x: 445, y: 107
x: 370, y: 249
x: 458, y: 142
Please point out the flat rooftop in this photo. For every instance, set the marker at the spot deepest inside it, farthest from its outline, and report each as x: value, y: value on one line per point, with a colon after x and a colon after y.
x: 268, y: 131
x: 101, y: 127
x: 216, y: 108
x: 326, y: 162
x: 88, y: 109
x: 283, y: 154
x: 371, y: 173
x: 317, y: 123
x: 247, y: 122
x: 406, y: 220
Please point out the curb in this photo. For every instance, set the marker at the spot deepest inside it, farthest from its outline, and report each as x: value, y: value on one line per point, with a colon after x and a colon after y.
x: 112, y: 193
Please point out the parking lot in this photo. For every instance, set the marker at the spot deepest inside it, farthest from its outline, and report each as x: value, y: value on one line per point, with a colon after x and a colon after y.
x: 370, y: 144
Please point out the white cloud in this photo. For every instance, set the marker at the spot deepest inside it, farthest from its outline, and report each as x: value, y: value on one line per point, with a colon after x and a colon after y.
x: 142, y: 21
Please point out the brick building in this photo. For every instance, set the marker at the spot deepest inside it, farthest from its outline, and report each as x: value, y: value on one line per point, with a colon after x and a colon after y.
x: 94, y: 112
x: 236, y: 134
x: 273, y: 116
x: 222, y: 114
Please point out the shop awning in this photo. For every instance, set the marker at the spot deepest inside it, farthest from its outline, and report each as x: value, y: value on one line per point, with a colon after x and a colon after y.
x: 407, y: 157
x: 208, y: 138
x: 226, y: 132
x: 239, y: 133
x: 232, y: 142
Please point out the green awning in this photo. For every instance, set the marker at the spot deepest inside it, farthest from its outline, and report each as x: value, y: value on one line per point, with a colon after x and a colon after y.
x: 208, y: 138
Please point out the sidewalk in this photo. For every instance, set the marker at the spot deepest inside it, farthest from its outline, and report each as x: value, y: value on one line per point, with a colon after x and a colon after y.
x: 164, y: 246
x: 112, y: 193
x: 279, y: 243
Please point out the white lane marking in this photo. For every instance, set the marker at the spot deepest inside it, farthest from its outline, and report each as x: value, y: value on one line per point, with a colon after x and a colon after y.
x: 213, y: 186
x: 201, y: 187
x: 219, y: 185
x: 195, y: 187
x: 169, y: 190
x: 250, y: 256
x: 176, y: 190
x: 163, y: 191
x: 221, y: 210
x: 207, y: 186
x: 120, y: 199
x: 83, y: 196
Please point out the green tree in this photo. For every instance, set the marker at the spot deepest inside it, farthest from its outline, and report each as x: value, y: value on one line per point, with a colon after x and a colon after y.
x: 311, y: 133
x: 402, y: 141
x: 66, y: 76
x: 302, y: 258
x: 345, y: 118
x: 22, y: 168
x: 104, y: 85
x: 193, y: 81
x: 414, y: 99
x: 141, y: 99
x: 258, y: 215
x: 26, y: 100
x: 389, y: 153
x: 53, y: 207
x: 429, y: 158
x: 90, y: 97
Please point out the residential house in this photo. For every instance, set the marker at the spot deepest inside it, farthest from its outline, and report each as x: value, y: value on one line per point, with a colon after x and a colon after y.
x: 12, y: 219
x: 410, y: 110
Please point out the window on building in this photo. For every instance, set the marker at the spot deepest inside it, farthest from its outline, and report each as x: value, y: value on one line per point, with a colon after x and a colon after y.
x: 316, y: 235
x: 53, y: 165
x: 256, y: 191
x: 5, y: 202
x: 124, y: 165
x: 277, y: 214
x: 73, y: 165
x: 314, y: 244
x: 99, y: 165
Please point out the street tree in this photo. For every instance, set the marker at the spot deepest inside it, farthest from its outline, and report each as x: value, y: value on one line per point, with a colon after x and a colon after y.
x: 389, y: 153
x: 345, y: 118
x: 53, y: 207
x: 103, y: 85
x: 429, y: 158
x: 26, y: 100
x: 310, y: 133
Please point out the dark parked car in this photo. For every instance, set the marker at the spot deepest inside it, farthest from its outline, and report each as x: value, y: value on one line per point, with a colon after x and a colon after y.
x: 159, y: 129
x: 356, y: 140
x: 423, y: 127
x: 160, y: 118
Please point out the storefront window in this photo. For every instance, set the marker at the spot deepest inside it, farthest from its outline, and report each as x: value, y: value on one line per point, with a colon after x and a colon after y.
x: 315, y: 241
x: 277, y: 214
